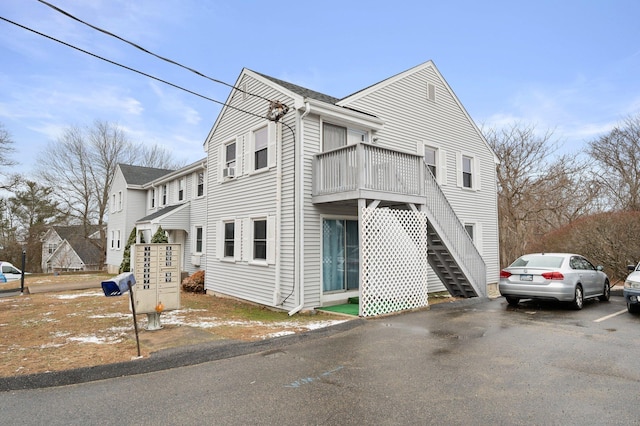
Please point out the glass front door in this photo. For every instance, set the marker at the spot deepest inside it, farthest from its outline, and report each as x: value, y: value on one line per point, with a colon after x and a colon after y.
x: 340, y: 255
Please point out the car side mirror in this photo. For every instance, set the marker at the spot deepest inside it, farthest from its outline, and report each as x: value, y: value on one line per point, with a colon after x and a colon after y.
x: 599, y: 268
x: 631, y: 267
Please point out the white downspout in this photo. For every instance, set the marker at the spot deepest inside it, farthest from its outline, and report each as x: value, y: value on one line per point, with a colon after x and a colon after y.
x: 299, y: 214
x: 276, y: 291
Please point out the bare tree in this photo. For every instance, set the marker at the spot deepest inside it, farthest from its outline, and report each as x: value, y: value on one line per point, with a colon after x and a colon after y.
x: 81, y: 165
x: 537, y: 190
x: 6, y: 145
x: 617, y: 155
x: 607, y: 239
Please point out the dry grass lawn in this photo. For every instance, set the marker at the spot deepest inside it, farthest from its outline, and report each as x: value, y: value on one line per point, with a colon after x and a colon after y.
x: 60, y: 330
x: 55, y: 331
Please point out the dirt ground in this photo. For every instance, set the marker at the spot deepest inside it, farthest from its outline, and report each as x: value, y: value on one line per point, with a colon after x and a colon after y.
x: 59, y: 330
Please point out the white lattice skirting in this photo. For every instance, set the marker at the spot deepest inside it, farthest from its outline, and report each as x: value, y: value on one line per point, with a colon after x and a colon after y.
x: 394, y: 261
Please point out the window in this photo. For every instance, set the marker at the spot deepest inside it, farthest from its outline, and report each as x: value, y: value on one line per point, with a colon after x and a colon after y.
x: 469, y: 229
x: 229, y: 239
x: 181, y: 189
x: 52, y: 248
x: 430, y: 159
x: 260, y: 239
x: 117, y: 242
x: 261, y: 142
x: 467, y: 172
x: 153, y: 198
x: 230, y: 155
x: 164, y: 195
x: 199, y: 235
x: 334, y: 136
x: 113, y: 203
x: 113, y: 239
x: 200, y: 184
x: 120, y: 200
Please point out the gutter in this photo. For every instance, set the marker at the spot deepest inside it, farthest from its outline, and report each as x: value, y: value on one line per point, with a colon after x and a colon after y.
x: 299, y: 213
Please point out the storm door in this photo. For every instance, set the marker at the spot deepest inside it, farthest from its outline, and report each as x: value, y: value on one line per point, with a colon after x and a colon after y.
x: 340, y: 255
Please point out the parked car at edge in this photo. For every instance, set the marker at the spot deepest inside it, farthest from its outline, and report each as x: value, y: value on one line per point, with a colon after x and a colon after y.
x: 631, y: 290
x: 563, y: 277
x: 10, y: 272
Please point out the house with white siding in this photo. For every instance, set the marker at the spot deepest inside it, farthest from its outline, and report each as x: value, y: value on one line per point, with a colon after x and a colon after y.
x: 71, y: 248
x: 148, y: 198
x: 382, y: 196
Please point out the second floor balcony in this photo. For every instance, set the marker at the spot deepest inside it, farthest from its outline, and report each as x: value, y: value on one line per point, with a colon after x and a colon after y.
x: 370, y: 172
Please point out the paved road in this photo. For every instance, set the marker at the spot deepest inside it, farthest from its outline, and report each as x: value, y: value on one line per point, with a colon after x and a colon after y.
x: 478, y: 363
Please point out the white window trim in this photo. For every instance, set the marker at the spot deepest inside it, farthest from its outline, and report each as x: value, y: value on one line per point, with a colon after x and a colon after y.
x: 247, y: 240
x: 182, y: 184
x: 477, y: 234
x: 237, y: 243
x: 441, y: 160
x: 274, y: 132
x: 195, y: 239
x: 475, y: 171
x: 195, y: 184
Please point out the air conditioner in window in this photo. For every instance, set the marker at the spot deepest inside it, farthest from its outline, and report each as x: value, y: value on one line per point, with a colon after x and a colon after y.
x: 229, y: 172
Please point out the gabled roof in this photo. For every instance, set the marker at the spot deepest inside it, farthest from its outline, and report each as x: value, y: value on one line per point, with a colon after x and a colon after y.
x: 88, y: 253
x: 302, y: 91
x: 138, y: 175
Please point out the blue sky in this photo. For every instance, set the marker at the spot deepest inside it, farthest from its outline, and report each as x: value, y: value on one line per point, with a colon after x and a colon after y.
x: 568, y: 66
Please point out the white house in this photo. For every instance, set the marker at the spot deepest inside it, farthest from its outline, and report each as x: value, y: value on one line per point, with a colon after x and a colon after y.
x: 66, y: 248
x: 386, y: 195
x: 148, y: 198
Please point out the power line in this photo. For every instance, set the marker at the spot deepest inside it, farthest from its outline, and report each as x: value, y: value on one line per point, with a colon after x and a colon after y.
x: 131, y: 69
x: 56, y: 8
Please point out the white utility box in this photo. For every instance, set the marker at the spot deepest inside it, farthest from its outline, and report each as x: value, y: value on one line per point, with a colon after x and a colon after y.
x: 157, y: 272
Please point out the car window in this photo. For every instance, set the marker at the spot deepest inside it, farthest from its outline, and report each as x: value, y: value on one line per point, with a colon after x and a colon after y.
x: 539, y: 261
x: 575, y: 263
x: 588, y: 265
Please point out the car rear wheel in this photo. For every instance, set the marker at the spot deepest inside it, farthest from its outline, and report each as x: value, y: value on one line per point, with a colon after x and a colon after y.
x: 512, y: 301
x: 606, y: 293
x: 633, y: 308
x: 578, y: 299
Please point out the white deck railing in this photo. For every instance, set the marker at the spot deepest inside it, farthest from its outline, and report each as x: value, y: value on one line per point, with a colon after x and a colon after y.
x: 364, y: 166
x: 367, y: 167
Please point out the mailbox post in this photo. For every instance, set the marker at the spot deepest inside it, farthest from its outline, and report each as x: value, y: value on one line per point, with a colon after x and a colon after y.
x: 118, y: 286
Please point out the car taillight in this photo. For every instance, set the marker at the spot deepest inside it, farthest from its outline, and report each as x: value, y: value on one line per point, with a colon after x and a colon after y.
x: 552, y: 275
x: 505, y: 274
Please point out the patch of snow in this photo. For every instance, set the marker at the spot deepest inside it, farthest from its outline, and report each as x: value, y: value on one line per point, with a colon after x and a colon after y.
x: 112, y: 315
x: 77, y: 295
x: 95, y: 339
x: 277, y: 334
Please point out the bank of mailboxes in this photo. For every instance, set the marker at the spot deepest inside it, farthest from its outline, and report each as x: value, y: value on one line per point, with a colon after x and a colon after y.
x: 157, y: 272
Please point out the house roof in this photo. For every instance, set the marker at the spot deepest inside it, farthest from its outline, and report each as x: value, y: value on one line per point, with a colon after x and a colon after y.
x: 302, y: 91
x: 74, y: 235
x: 159, y: 213
x: 138, y: 175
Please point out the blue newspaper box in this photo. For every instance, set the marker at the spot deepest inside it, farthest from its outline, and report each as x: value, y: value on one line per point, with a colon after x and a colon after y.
x: 119, y: 284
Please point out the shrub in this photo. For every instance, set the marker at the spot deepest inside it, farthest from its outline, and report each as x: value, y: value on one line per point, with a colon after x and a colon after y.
x: 194, y: 283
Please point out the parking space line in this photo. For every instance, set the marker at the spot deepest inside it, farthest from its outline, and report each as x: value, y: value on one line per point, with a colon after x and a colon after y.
x: 610, y: 316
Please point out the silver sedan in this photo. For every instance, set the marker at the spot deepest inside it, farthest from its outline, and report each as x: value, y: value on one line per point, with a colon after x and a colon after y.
x: 564, y: 277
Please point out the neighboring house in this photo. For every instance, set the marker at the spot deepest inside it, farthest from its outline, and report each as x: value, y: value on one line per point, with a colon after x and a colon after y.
x: 148, y: 198
x: 386, y: 194
x: 65, y: 248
